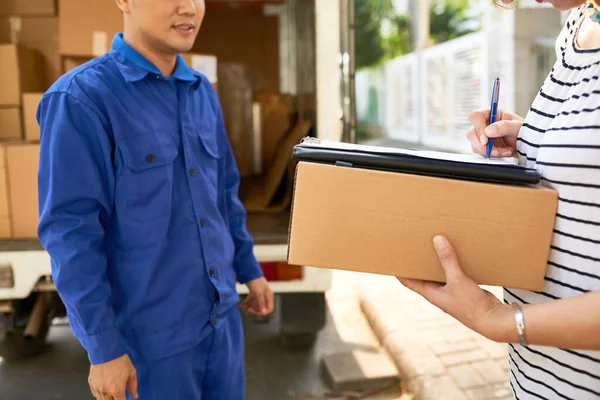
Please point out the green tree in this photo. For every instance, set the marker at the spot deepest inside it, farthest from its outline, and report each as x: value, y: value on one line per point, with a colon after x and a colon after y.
x: 448, y: 19
x: 369, y: 16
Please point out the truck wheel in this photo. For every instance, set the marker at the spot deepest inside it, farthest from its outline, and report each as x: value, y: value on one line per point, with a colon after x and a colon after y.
x: 15, y: 341
x: 303, y: 315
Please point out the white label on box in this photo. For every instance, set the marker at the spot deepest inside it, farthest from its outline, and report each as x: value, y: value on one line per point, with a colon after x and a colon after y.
x: 99, y: 43
x: 206, y: 65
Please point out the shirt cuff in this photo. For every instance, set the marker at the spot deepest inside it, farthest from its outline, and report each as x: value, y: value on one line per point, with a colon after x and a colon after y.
x: 248, y: 270
x: 104, y: 346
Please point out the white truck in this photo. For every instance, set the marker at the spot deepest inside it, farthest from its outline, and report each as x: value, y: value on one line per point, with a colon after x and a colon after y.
x: 311, y: 48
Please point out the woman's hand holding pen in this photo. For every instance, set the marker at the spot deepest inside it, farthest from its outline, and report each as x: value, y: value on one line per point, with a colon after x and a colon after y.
x: 504, y: 132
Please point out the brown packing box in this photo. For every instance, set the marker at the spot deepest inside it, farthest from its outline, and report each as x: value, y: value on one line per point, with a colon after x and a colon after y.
x: 36, y: 33
x: 259, y: 194
x: 258, y: 49
x: 383, y: 222
x: 70, y: 63
x: 21, y: 70
x: 278, y: 110
x: 10, y: 124
x: 204, y: 63
x: 5, y: 228
x: 236, y: 97
x: 28, y: 7
x: 31, y: 129
x: 87, y: 37
x: 21, y: 164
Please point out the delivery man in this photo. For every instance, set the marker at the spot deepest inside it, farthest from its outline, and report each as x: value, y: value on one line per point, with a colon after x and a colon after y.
x: 140, y: 215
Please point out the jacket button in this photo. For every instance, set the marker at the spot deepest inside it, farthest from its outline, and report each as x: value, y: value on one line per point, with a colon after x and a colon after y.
x: 214, y: 321
x: 150, y: 158
x: 212, y: 273
x: 202, y: 223
x: 193, y: 172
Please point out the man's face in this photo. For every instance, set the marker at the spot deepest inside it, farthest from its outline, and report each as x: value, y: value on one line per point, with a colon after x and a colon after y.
x: 167, y: 26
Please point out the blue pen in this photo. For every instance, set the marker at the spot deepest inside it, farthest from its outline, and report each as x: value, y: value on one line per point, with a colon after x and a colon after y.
x: 493, y: 113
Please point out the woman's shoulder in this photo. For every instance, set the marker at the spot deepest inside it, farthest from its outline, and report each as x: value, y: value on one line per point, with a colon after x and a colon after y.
x: 569, y: 29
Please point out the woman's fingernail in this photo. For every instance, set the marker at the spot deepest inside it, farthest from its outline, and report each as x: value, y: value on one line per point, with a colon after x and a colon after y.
x: 506, y: 154
x: 491, y: 130
x: 440, y: 243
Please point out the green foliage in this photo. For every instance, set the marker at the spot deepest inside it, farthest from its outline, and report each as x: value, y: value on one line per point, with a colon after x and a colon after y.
x: 369, y: 16
x: 400, y: 41
x: 447, y: 21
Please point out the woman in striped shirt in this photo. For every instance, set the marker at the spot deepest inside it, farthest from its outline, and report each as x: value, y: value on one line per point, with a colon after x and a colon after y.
x: 553, y: 335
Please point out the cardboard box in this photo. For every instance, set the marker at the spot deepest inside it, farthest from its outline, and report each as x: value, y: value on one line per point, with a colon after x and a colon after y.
x: 21, y: 70
x: 236, y: 97
x: 10, y: 124
x: 259, y: 195
x: 31, y: 128
x: 243, y: 35
x: 28, y: 7
x: 383, y: 222
x: 5, y: 226
x: 21, y: 164
x: 203, y: 63
x: 70, y: 63
x: 35, y: 33
x: 88, y: 37
x: 278, y: 110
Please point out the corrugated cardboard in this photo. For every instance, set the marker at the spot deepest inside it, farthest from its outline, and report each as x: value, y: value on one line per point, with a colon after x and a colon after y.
x: 258, y: 49
x: 10, y: 124
x: 21, y: 164
x: 384, y: 222
x: 260, y: 195
x: 21, y: 70
x: 28, y: 7
x: 31, y: 129
x: 70, y: 63
x: 278, y: 110
x: 5, y: 227
x: 236, y: 94
x: 91, y: 36
x: 36, y: 33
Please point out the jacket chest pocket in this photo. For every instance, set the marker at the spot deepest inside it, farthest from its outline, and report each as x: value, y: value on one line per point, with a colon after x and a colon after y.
x: 210, y: 155
x: 147, y: 177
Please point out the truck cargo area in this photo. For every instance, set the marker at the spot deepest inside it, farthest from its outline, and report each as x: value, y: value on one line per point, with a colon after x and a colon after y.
x: 260, y: 58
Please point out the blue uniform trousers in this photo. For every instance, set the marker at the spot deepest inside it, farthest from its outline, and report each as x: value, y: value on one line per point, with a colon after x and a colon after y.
x: 213, y: 370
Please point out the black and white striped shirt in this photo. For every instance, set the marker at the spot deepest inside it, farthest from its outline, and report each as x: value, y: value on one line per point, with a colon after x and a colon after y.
x: 561, y: 138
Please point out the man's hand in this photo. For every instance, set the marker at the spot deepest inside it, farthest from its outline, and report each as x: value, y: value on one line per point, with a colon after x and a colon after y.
x: 461, y: 297
x: 108, y: 381
x: 260, y: 298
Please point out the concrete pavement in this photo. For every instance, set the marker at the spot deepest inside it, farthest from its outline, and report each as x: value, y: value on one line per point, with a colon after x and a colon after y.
x: 438, y: 357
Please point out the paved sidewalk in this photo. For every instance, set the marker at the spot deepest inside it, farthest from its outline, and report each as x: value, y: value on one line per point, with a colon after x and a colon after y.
x: 438, y: 357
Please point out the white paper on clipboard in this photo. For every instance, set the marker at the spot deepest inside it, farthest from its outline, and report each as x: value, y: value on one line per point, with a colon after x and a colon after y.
x: 435, y: 155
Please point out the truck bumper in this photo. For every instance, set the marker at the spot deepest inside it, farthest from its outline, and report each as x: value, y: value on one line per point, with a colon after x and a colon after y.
x: 31, y: 272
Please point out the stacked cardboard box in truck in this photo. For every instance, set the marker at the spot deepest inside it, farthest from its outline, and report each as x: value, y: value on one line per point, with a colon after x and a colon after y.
x: 20, y: 72
x: 18, y: 190
x: 46, y: 38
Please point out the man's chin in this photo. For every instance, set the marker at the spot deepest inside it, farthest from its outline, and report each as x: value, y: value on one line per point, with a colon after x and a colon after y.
x: 182, y: 45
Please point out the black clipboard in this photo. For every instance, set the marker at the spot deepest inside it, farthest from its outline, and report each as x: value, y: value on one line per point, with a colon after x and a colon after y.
x: 435, y: 164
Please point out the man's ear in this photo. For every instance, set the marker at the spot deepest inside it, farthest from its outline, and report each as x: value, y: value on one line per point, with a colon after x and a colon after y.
x: 124, y: 5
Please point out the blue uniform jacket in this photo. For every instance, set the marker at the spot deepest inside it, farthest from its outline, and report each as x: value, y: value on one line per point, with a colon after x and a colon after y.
x: 139, y: 207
